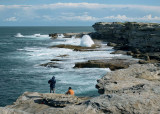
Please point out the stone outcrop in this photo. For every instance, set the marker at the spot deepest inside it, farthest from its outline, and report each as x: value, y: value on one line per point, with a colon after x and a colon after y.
x: 75, y: 48
x: 46, y: 103
x: 132, y: 90
x: 113, y: 64
x: 136, y: 37
x: 69, y: 35
x: 135, y: 90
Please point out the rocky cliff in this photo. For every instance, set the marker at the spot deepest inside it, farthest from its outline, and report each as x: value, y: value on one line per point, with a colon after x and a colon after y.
x: 143, y: 36
x: 142, y: 39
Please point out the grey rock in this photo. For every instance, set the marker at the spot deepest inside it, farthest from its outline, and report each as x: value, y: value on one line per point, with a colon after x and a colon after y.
x: 135, y: 90
x: 132, y: 90
x: 131, y: 36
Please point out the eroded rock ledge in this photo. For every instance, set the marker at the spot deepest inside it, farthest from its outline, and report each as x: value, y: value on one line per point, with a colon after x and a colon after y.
x: 132, y: 90
x: 113, y: 64
x: 135, y: 90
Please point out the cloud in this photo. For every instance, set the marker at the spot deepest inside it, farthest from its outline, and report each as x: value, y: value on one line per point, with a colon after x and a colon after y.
x: 147, y: 18
x: 11, y: 19
x: 74, y: 13
x: 80, y: 18
x: 85, y: 17
x: 81, y: 5
x: 70, y: 18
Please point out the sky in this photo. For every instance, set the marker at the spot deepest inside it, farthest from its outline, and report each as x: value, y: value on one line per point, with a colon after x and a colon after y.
x: 76, y: 12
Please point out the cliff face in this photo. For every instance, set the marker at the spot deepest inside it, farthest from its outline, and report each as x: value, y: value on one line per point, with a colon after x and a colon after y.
x: 143, y: 36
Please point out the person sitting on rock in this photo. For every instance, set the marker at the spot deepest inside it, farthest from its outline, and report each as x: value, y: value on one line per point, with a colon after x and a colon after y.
x: 52, y: 83
x: 70, y: 91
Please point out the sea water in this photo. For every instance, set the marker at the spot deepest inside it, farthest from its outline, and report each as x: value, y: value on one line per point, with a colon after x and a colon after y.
x: 23, y: 49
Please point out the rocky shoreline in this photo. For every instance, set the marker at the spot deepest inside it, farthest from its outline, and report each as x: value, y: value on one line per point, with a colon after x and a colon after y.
x: 130, y: 88
x: 140, y: 40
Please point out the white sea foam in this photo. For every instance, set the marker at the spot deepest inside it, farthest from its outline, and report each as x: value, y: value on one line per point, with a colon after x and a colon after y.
x: 60, y: 36
x: 66, y: 41
x: 19, y: 35
x: 40, y: 53
x: 82, y: 80
x: 86, y: 41
x: 73, y: 41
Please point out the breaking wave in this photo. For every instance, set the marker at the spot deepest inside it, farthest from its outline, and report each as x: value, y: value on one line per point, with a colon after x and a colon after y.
x: 19, y: 35
x: 86, y: 41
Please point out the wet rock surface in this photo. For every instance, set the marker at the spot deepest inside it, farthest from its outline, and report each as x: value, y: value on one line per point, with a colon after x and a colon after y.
x: 69, y: 35
x: 75, y: 48
x: 113, y: 64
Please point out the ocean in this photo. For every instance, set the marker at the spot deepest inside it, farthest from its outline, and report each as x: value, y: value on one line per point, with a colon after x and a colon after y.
x: 23, y: 49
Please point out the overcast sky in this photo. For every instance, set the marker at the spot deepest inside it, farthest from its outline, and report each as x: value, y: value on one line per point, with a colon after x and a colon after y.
x: 76, y: 12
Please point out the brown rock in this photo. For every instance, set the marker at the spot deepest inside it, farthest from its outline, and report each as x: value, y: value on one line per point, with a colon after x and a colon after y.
x: 74, y: 47
x: 113, y: 64
x: 119, y: 52
x: 111, y: 44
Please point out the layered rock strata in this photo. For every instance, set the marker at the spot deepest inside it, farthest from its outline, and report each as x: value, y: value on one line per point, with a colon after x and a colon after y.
x: 140, y: 38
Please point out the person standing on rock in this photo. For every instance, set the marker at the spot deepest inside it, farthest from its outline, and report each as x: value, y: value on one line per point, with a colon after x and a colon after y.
x: 52, y: 83
x: 70, y: 91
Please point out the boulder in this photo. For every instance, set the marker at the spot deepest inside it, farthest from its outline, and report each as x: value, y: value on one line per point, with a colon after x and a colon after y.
x: 55, y: 35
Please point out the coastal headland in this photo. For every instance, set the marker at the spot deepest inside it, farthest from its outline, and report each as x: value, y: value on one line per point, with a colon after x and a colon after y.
x: 133, y: 86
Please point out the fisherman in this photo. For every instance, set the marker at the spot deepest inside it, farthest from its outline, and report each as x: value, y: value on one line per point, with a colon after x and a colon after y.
x: 52, y: 83
x: 70, y: 91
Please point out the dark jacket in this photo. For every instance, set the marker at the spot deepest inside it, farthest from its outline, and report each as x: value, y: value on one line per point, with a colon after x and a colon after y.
x: 52, y: 82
